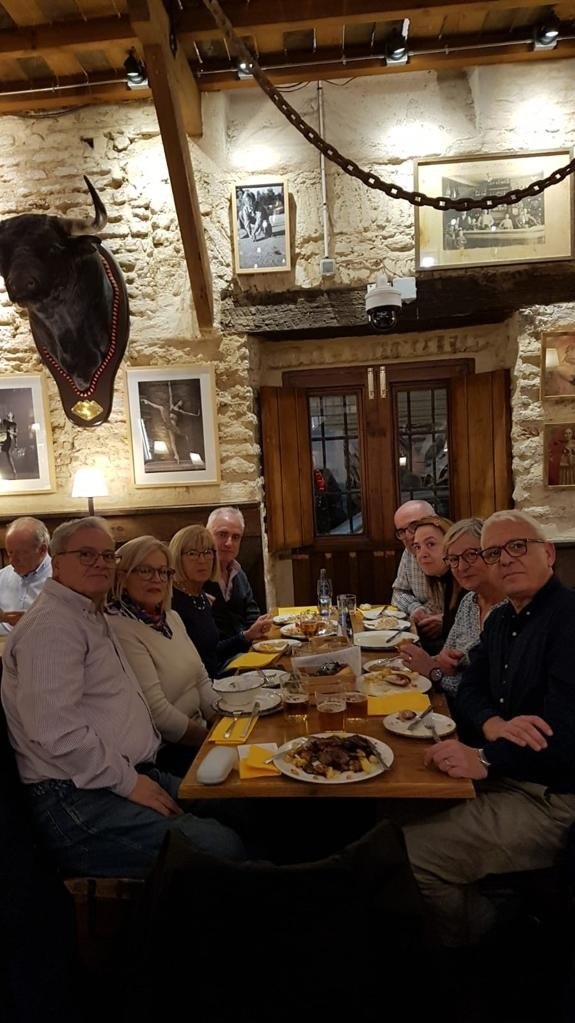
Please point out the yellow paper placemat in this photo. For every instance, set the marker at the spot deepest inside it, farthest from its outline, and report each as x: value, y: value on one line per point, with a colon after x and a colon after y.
x: 239, y: 732
x: 296, y: 610
x: 251, y: 660
x: 253, y: 766
x: 392, y: 702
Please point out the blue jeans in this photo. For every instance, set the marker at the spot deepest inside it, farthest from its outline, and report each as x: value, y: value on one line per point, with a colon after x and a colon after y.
x: 93, y: 832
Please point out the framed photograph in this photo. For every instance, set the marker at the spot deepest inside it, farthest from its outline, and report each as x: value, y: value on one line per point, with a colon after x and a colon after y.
x: 537, y: 228
x: 558, y: 365
x: 174, y: 426
x: 26, y: 461
x: 260, y: 226
x: 560, y: 455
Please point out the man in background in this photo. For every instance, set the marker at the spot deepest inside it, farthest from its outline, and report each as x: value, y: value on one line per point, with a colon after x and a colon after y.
x: 410, y: 591
x: 23, y: 579
x: 234, y: 606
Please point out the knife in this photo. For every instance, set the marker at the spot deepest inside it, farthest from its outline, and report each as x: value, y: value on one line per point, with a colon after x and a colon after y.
x: 254, y: 714
x: 413, y: 724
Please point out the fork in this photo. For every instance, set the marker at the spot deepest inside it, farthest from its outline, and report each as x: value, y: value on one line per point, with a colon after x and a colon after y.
x: 235, y: 714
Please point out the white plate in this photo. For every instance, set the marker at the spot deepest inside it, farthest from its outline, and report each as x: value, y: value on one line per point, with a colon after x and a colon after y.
x: 275, y: 677
x: 270, y: 646
x: 284, y: 619
x: 377, y: 611
x: 382, y: 640
x: 267, y: 699
x: 444, y: 727
x: 292, y: 632
x: 379, y: 687
x: 294, y: 645
x: 345, y: 778
x: 382, y: 624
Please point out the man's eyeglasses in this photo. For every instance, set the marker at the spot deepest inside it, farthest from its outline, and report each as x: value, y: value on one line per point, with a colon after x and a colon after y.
x: 470, y: 556
x: 88, y: 556
x: 515, y: 549
x: 208, y: 552
x: 400, y: 533
x: 147, y: 573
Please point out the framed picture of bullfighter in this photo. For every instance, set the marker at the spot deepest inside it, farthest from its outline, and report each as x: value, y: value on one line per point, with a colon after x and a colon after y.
x: 260, y: 226
x: 26, y: 462
x: 173, y: 425
x: 560, y: 455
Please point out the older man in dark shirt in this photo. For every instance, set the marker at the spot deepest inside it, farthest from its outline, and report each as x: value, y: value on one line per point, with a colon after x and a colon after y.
x: 516, y: 712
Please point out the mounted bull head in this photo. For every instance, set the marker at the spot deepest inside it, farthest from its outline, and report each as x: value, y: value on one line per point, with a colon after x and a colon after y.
x: 57, y: 269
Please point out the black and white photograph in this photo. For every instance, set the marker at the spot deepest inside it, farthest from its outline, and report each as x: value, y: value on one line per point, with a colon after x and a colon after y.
x: 174, y: 432
x: 260, y: 226
x: 25, y: 442
x: 537, y: 227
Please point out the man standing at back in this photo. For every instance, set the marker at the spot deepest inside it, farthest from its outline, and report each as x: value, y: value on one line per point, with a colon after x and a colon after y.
x: 82, y: 732
x: 410, y: 591
x: 234, y: 606
x: 23, y: 579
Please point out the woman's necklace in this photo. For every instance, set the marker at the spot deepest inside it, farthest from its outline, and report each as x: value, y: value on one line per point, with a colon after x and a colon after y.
x: 199, y: 600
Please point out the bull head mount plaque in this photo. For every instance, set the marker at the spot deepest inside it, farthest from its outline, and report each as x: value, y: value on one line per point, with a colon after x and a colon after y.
x: 77, y: 304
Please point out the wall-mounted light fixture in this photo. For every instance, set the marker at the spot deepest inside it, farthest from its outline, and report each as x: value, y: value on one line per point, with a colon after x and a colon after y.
x: 136, y: 74
x: 546, y: 32
x: 396, y: 51
x: 89, y: 482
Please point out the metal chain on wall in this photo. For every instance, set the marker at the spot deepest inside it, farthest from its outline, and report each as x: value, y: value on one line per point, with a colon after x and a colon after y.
x: 443, y: 202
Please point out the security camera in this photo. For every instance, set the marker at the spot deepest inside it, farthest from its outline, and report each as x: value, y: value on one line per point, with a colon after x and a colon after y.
x: 384, y: 300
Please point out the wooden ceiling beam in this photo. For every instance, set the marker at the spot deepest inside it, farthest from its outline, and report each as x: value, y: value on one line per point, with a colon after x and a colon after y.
x: 78, y: 97
x: 151, y: 23
x: 74, y: 35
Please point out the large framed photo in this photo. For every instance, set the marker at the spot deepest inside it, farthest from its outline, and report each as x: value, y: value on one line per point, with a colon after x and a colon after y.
x: 558, y: 365
x: 536, y: 228
x: 260, y: 226
x: 174, y: 426
x: 26, y: 461
x: 560, y: 455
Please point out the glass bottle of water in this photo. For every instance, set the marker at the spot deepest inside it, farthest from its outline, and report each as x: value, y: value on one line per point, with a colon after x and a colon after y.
x: 324, y: 594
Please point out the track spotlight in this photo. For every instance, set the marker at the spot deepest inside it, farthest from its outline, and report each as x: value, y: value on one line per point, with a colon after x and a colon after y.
x: 396, y: 45
x: 244, y: 69
x: 546, y: 33
x: 136, y: 74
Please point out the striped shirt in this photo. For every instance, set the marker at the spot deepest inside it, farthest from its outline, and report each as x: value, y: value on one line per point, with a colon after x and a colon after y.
x: 74, y: 709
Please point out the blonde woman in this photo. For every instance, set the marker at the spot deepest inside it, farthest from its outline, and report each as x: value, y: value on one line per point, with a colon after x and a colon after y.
x: 195, y: 559
x: 167, y: 665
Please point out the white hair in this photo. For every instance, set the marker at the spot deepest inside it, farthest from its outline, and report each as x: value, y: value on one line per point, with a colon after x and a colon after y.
x: 521, y: 518
x: 217, y: 513
x: 37, y: 529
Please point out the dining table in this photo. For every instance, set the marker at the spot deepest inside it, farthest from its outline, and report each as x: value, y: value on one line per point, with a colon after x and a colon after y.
x: 407, y: 778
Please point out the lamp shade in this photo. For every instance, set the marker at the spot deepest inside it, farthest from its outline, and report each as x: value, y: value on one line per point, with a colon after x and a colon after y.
x: 89, y: 482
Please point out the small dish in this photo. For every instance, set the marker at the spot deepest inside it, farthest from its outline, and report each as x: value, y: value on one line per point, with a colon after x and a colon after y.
x: 376, y: 684
x: 270, y: 646
x: 275, y: 677
x: 444, y: 726
x: 384, y: 640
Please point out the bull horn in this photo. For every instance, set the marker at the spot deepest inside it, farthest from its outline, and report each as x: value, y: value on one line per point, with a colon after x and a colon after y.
x: 78, y: 227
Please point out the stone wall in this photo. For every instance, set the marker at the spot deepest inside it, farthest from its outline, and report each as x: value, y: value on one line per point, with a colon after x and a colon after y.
x: 383, y: 123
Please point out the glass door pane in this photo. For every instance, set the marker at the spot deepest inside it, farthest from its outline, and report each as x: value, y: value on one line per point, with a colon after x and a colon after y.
x: 334, y: 432
x: 422, y: 431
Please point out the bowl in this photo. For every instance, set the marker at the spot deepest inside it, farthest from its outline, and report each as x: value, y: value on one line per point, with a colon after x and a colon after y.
x: 239, y: 689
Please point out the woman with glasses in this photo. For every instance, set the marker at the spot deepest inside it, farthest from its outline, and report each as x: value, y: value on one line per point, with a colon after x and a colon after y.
x: 195, y: 559
x: 462, y: 554
x: 166, y: 663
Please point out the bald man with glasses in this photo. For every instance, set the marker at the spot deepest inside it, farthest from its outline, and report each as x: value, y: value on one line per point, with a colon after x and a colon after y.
x: 515, y: 711
x: 410, y: 591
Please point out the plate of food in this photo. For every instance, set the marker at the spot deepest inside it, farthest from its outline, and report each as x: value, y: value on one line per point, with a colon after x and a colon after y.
x: 371, y: 612
x: 334, y: 758
x: 293, y: 631
x: 268, y: 700
x: 383, y: 640
x: 270, y: 646
x: 399, y: 724
x: 386, y: 622
x: 274, y: 677
x: 388, y: 680
x: 284, y: 619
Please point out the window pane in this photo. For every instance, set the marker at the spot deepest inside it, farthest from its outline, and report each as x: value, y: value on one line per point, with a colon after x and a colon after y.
x: 423, y: 455
x: 336, y: 464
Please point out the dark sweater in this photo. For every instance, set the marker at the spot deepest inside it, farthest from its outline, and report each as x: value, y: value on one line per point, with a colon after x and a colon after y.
x: 237, y: 613
x: 523, y: 664
x: 214, y: 649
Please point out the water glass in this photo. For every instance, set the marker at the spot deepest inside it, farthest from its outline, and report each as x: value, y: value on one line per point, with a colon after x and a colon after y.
x: 347, y: 602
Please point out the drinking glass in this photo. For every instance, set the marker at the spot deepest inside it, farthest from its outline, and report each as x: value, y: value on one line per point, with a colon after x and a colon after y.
x: 330, y: 702
x: 347, y: 602
x: 295, y: 698
x: 355, y: 709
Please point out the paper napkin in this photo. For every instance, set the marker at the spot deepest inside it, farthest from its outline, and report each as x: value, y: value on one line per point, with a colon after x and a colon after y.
x: 252, y: 757
x: 391, y: 703
x: 239, y: 732
x: 296, y: 610
x: 251, y: 660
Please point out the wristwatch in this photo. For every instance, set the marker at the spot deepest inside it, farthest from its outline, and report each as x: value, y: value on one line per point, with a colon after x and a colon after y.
x: 483, y: 759
x: 436, y: 675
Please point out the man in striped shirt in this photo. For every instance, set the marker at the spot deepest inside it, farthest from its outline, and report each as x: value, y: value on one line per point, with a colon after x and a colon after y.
x: 82, y: 732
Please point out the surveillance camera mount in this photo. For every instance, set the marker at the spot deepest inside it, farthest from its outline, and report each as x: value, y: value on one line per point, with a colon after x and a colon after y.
x: 384, y: 300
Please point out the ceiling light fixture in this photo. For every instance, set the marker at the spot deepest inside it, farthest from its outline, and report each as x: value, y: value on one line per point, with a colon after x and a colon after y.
x: 245, y: 69
x: 546, y: 33
x: 396, y: 45
x: 136, y: 74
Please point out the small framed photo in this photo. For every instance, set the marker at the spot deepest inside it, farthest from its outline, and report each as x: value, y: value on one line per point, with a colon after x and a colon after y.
x: 173, y: 425
x: 558, y: 365
x: 260, y: 226
x: 536, y: 228
x: 26, y: 460
x: 560, y: 455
